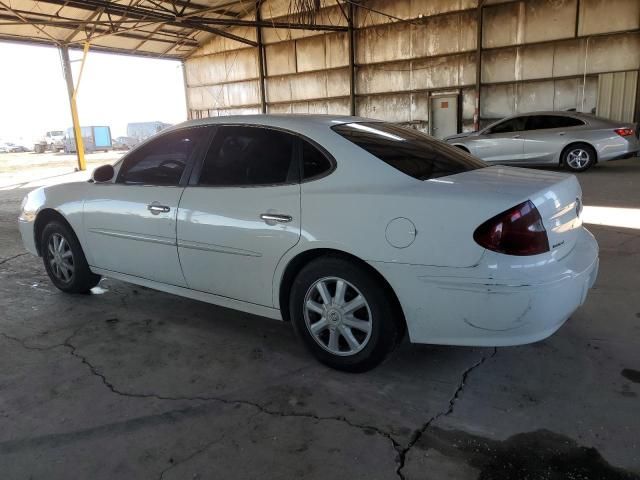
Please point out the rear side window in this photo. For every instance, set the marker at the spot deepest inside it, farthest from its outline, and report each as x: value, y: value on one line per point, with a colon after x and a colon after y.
x: 314, y: 162
x: 248, y: 156
x: 163, y: 160
x: 540, y: 122
x: 413, y: 153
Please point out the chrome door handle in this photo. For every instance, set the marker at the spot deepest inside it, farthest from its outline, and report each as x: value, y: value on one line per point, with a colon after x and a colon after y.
x: 275, y: 218
x: 156, y: 208
x: 516, y: 136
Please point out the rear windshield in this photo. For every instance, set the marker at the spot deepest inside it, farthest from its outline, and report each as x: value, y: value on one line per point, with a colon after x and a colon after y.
x: 413, y: 153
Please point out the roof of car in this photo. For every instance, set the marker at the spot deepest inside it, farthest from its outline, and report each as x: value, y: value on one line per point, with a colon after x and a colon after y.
x: 293, y: 121
x: 589, y: 118
x: 570, y: 113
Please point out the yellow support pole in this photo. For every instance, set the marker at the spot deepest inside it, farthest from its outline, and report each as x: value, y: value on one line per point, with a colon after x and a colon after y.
x: 73, y: 92
x: 77, y: 133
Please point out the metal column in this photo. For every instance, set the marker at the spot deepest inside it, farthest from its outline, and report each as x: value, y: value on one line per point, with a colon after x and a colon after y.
x: 479, y: 22
x: 636, y: 115
x: 186, y: 89
x: 72, y: 91
x: 352, y: 61
x: 261, y: 60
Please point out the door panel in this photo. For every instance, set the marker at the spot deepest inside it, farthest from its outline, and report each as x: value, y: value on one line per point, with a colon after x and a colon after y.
x: 125, y: 236
x: 499, y: 147
x: 226, y: 248
x: 543, y: 146
x: 241, y: 213
x: 546, y: 136
x: 130, y: 225
x: 444, y: 114
x: 502, y: 142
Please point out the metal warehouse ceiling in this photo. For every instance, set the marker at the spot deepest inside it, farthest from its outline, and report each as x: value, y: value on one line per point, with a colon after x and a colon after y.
x: 159, y: 28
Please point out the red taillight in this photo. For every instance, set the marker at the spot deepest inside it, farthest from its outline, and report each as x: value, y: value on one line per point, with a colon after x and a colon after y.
x: 625, y: 132
x: 518, y: 231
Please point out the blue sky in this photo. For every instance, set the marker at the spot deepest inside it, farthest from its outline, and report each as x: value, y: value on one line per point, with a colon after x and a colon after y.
x: 114, y: 91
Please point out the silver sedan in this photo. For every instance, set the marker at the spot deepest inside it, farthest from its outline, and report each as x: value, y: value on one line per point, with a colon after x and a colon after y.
x: 575, y: 140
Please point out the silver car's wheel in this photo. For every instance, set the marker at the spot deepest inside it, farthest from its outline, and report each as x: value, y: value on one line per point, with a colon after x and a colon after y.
x: 578, y: 158
x: 337, y: 316
x: 61, y: 258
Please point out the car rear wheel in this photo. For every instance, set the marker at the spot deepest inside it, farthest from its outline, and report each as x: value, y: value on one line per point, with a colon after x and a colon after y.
x: 64, y: 259
x: 579, y: 157
x: 343, y: 315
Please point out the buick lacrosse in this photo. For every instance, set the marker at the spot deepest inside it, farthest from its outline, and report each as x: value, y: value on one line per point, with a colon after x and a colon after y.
x: 354, y: 230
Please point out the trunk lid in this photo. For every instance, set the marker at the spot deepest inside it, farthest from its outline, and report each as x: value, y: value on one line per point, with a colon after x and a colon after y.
x: 557, y: 196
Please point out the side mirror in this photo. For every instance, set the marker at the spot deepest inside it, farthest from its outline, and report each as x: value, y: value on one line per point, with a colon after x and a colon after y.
x: 103, y: 173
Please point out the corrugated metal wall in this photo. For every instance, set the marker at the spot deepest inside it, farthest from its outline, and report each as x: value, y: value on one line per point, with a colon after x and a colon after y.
x: 617, y: 95
x: 536, y: 54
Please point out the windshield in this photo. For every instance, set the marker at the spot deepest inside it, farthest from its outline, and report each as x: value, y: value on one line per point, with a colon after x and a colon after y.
x: 410, y: 151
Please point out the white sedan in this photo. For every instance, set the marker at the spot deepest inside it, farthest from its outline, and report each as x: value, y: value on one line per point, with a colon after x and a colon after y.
x: 354, y: 230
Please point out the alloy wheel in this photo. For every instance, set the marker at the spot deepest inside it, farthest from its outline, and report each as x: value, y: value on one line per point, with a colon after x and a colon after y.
x: 578, y: 158
x: 60, y: 258
x: 338, y: 316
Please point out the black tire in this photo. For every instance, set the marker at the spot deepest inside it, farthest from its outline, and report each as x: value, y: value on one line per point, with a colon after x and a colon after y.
x: 586, y: 152
x: 385, y: 323
x: 81, y: 279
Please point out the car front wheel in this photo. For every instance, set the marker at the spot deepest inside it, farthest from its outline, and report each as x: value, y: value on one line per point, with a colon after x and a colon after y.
x: 343, y: 314
x: 64, y: 259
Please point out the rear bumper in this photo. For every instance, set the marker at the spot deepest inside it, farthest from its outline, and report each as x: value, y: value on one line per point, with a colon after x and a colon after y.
x: 624, y: 156
x: 480, y: 306
x: 621, y: 148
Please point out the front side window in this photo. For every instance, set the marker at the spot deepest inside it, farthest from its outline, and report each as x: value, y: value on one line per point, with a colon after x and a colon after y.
x: 517, y: 124
x: 163, y: 160
x: 412, y: 152
x: 249, y: 156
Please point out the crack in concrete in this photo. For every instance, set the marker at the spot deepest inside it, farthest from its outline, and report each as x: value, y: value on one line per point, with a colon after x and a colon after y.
x: 23, y: 343
x: 227, y: 401
x: 8, y: 259
x: 191, y: 456
x: 401, y: 451
x: 417, y: 434
x: 199, y: 451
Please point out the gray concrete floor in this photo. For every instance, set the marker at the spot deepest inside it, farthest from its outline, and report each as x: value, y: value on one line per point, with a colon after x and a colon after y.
x: 132, y: 383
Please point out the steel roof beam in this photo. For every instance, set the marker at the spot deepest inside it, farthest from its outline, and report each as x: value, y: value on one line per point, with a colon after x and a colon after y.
x: 75, y: 25
x: 149, y: 15
x: 270, y: 24
x: 199, y: 6
x: 98, y: 48
x: 24, y: 20
x: 37, y: 18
